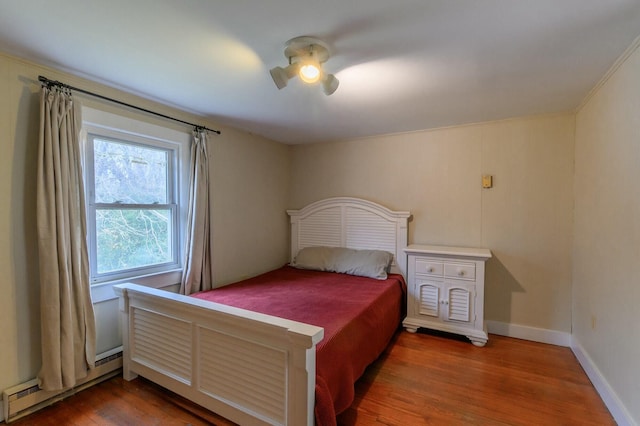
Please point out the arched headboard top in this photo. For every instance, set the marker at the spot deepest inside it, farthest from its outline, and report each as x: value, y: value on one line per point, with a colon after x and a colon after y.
x: 352, y: 223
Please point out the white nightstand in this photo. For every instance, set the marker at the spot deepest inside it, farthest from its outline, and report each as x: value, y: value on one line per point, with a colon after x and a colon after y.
x: 446, y: 290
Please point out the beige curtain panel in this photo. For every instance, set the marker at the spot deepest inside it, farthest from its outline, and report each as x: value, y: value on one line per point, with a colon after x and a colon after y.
x: 196, y: 275
x: 67, y: 319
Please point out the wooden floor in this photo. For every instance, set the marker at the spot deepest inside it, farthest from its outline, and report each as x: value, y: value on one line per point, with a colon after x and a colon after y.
x: 421, y: 379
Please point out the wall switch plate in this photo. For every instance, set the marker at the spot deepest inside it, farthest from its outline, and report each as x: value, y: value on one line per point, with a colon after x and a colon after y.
x: 487, y: 181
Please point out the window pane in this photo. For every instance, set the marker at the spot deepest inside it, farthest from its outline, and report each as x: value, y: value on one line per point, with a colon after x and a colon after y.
x: 129, y: 174
x: 128, y: 239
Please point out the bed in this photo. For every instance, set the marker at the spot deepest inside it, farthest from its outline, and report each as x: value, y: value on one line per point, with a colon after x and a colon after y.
x: 241, y: 358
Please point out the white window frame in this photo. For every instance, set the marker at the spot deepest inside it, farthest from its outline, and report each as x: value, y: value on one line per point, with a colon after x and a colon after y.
x: 119, y: 128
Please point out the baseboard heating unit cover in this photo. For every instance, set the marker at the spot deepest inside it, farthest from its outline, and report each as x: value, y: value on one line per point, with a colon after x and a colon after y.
x: 27, y: 397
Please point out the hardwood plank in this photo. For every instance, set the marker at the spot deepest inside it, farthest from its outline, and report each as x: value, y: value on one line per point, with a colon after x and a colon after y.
x: 118, y: 402
x: 421, y: 379
x: 430, y: 379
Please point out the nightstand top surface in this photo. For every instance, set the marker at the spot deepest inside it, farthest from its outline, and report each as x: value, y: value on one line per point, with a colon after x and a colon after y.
x: 448, y: 251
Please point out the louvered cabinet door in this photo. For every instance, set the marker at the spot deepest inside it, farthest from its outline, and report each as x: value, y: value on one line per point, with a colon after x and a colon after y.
x: 459, y: 303
x: 429, y: 298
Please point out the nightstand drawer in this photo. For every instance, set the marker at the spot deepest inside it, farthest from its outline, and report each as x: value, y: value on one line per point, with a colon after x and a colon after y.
x: 460, y: 270
x: 428, y: 267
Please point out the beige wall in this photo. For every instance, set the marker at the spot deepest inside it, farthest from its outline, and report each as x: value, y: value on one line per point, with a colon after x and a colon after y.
x: 250, y: 197
x: 606, y: 289
x: 526, y: 219
x: 248, y: 212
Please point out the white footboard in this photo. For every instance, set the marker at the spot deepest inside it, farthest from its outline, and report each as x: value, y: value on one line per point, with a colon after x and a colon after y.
x: 248, y: 367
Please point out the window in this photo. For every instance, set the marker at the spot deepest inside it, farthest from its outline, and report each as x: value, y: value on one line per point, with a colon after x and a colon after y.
x: 132, y: 211
x: 135, y: 215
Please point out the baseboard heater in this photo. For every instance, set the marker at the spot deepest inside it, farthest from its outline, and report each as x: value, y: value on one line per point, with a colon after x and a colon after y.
x: 27, y: 397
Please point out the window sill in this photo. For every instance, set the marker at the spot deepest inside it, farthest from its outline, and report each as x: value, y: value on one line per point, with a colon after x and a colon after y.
x: 104, y: 291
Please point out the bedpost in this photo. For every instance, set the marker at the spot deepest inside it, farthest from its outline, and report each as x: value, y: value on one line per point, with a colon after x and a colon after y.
x: 401, y: 243
x: 123, y: 305
x: 302, y: 381
x: 294, y: 235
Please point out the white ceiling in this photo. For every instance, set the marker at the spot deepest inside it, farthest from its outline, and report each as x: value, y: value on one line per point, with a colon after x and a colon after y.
x: 403, y: 65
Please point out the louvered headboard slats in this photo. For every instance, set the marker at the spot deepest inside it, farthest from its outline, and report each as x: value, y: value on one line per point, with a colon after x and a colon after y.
x: 351, y: 223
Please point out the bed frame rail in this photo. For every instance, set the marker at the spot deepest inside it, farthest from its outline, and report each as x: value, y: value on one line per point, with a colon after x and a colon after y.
x: 248, y: 367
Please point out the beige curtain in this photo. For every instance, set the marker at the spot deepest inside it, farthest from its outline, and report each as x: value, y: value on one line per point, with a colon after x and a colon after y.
x: 66, y: 311
x: 196, y: 275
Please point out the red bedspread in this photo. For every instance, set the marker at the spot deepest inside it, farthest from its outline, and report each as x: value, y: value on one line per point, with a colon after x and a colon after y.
x: 359, y: 316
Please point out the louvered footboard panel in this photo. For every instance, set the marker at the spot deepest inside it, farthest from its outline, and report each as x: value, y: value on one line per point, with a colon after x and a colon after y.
x: 243, y: 372
x: 162, y: 343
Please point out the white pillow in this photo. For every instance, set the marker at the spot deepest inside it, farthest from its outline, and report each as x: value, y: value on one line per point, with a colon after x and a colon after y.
x: 366, y: 263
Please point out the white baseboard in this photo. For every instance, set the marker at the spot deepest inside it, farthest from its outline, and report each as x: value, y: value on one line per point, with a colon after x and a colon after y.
x: 608, y: 395
x: 534, y: 334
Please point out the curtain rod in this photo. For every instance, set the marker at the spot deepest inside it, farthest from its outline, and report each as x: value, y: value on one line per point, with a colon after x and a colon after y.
x: 50, y: 83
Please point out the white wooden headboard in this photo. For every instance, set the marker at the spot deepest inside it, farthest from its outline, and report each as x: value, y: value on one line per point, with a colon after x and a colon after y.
x: 351, y: 223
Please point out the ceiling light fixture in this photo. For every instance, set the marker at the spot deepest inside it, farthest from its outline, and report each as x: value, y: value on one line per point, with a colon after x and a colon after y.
x: 306, y: 56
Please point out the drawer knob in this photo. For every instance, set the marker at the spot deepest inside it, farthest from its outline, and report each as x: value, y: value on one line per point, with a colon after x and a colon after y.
x: 460, y: 273
x: 430, y: 269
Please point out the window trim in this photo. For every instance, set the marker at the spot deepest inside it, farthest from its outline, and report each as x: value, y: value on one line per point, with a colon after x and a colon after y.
x: 125, y: 129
